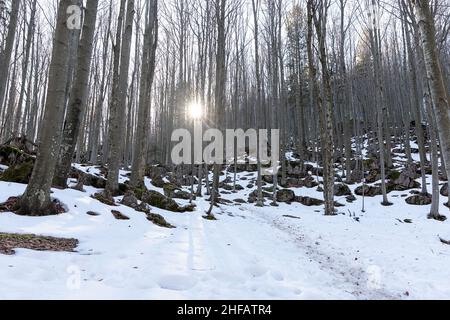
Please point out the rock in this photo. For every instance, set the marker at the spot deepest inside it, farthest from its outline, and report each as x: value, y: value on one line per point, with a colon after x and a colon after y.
x: 92, y: 213
x: 355, y: 176
x: 174, y: 192
x: 444, y: 190
x: 119, y: 216
x: 253, y: 196
x: 317, y: 171
x: 159, y: 220
x: 285, y: 195
x: 19, y: 173
x: 250, y: 186
x: 308, y: 201
x: 267, y: 178
x: 142, y: 207
x: 155, y: 171
x: 373, y: 176
x: 159, y: 200
x: 342, y: 190
x: 225, y: 186
x: 368, y: 191
x: 404, y: 180
x: 158, y: 181
x: 419, y: 200
x: 11, y: 156
x: 350, y: 198
x: 240, y: 201
x: 309, y: 182
x: 224, y: 201
x: 130, y: 200
x: 292, y: 183
x: 104, y: 198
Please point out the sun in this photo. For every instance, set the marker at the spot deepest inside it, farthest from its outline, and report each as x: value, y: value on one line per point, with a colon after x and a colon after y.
x: 195, y: 110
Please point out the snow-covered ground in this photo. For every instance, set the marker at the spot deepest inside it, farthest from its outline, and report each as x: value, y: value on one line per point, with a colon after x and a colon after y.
x: 288, y: 252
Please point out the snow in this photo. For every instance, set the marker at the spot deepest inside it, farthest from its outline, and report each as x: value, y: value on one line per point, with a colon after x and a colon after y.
x: 248, y: 253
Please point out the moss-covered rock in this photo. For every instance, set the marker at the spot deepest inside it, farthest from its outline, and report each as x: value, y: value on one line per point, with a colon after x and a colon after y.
x: 368, y: 191
x: 19, y: 173
x: 171, y: 190
x: 119, y: 215
x: 342, y: 190
x: 309, y: 202
x: 285, y: 195
x: 10, y: 155
x: 419, y: 200
x: 159, y: 220
x: 104, y: 198
x: 156, y: 199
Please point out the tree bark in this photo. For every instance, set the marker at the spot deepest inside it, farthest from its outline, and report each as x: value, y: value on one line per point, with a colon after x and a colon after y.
x: 78, y: 96
x: 36, y: 199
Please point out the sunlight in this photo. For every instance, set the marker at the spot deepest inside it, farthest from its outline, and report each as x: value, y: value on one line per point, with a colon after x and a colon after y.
x: 195, y: 110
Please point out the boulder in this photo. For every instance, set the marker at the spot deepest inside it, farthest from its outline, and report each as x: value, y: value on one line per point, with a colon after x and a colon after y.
x: 253, y: 196
x: 11, y: 155
x: 373, y: 176
x: 308, y: 201
x: 355, y: 176
x: 159, y: 220
x: 172, y: 191
x: 158, y: 181
x: 419, y: 200
x: 156, y: 199
x: 285, y: 195
x: 368, y: 191
x: 309, y: 182
x: 342, y: 190
x: 119, y: 216
x: 130, y: 200
x: 404, y: 180
x: 19, y: 173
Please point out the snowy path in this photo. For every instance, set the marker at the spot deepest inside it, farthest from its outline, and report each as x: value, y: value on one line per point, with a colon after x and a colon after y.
x: 249, y: 253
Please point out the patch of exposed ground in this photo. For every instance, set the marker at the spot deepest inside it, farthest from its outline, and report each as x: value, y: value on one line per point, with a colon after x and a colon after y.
x: 11, y: 241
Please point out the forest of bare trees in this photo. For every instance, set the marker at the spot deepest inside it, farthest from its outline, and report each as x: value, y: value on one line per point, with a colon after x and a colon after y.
x: 346, y: 82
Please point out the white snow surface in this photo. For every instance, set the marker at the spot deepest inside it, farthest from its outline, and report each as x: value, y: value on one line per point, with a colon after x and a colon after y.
x: 248, y: 253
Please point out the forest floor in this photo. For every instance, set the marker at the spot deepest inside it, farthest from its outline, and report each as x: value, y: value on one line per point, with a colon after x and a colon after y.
x: 286, y: 252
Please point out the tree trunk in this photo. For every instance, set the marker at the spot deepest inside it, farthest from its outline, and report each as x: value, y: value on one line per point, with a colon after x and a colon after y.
x: 5, y: 55
x: 120, y: 85
x: 36, y: 199
x: 147, y: 73
x: 78, y: 96
x: 435, y: 78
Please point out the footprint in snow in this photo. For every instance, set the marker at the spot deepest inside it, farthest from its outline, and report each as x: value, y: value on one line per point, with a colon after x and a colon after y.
x: 177, y: 282
x: 256, y: 271
x: 278, y: 276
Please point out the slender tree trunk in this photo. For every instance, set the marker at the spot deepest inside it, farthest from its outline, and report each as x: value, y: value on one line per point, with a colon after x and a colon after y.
x: 120, y: 85
x: 78, y: 96
x: 5, y: 55
x: 147, y: 73
x: 439, y: 94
